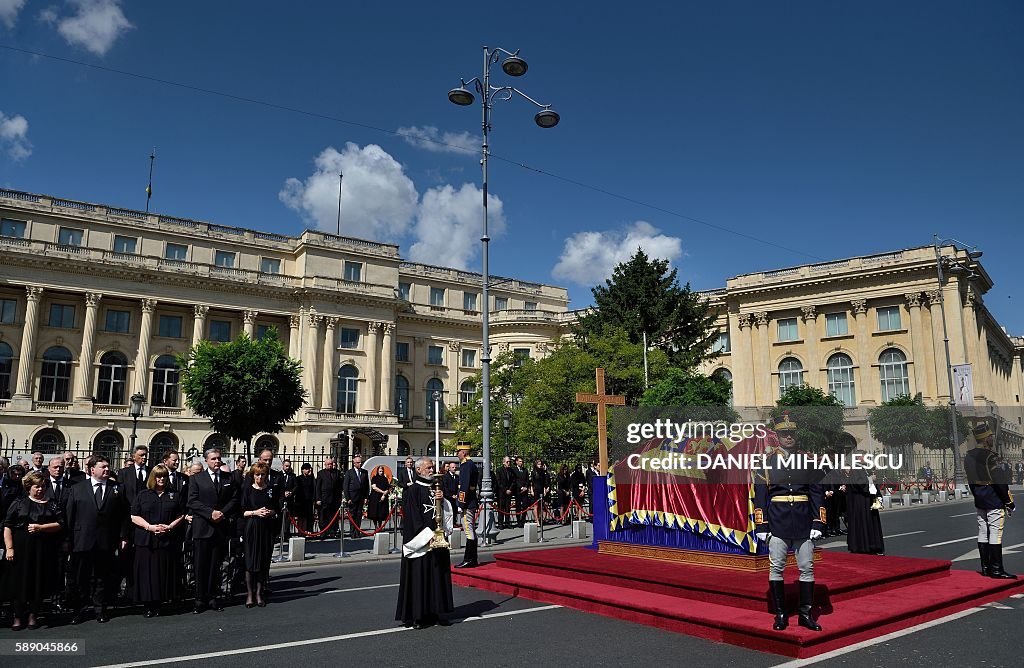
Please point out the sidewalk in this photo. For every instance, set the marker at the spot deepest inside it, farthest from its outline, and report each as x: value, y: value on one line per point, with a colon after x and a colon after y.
x: 322, y: 552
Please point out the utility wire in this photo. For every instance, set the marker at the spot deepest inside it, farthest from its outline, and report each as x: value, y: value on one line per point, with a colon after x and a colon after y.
x: 394, y: 133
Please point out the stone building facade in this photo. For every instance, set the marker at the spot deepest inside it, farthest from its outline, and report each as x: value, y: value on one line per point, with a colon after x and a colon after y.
x: 97, y: 301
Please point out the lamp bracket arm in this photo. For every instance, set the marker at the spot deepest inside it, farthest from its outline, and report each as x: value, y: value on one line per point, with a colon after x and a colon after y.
x: 506, y: 93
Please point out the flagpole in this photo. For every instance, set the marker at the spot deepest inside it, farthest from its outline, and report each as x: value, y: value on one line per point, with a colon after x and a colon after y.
x: 149, y: 188
x: 340, y: 177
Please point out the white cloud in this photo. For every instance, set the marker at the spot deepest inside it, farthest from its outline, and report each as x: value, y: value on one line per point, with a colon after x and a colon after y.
x: 589, y: 257
x: 14, y: 136
x: 95, y: 26
x: 448, y: 225
x: 378, y: 200
x: 430, y: 138
x: 9, y: 10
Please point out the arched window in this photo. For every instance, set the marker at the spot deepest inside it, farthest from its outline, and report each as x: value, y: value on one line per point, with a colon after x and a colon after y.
x: 113, y: 377
x: 840, y: 379
x: 791, y: 373
x: 266, y: 441
x: 401, y: 397
x: 55, y: 379
x: 109, y: 443
x: 892, y: 368
x: 348, y: 382
x: 403, y: 448
x: 467, y: 391
x: 725, y: 374
x: 160, y: 444
x: 166, y: 375
x: 48, y: 441
x: 435, y: 385
x: 219, y: 441
x: 6, y: 365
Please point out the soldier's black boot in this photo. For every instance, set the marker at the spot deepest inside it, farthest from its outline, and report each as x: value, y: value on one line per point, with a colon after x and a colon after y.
x: 469, y: 558
x: 806, y: 602
x: 983, y: 553
x: 777, y: 590
x: 995, y: 563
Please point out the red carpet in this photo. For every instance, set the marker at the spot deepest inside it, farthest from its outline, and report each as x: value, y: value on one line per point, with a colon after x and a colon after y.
x: 857, y: 597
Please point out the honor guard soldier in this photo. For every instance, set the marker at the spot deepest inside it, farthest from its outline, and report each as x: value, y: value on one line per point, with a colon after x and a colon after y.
x: 992, y: 501
x: 469, y: 483
x: 789, y: 514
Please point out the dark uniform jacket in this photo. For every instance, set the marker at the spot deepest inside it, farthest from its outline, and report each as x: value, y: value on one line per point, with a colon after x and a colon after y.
x: 987, y: 485
x: 786, y: 504
x: 469, y: 483
x: 95, y: 527
x: 204, y: 498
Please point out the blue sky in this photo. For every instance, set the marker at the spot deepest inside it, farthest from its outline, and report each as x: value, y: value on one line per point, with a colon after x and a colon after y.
x: 830, y: 129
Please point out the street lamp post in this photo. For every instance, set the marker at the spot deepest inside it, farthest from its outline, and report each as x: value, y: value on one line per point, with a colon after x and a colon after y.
x: 513, y: 66
x: 953, y: 266
x: 135, y: 411
x: 506, y: 423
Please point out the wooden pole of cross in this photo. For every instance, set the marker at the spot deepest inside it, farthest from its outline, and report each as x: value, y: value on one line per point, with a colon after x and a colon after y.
x: 603, y: 401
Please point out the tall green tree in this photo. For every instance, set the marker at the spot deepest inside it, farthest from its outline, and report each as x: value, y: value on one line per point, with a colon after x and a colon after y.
x: 898, y: 422
x: 243, y: 387
x: 644, y: 296
x: 818, y: 416
x: 693, y: 395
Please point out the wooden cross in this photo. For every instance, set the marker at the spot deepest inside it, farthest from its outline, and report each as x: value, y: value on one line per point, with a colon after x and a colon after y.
x: 602, y: 400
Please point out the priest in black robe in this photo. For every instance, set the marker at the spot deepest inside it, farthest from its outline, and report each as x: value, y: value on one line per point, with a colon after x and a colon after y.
x: 863, y: 523
x: 425, y: 588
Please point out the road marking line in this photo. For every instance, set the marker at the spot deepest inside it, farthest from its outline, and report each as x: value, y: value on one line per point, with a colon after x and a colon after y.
x: 342, y: 591
x: 964, y: 514
x: 312, y: 641
x: 797, y: 663
x: 997, y: 606
x: 897, y: 535
x: 950, y: 542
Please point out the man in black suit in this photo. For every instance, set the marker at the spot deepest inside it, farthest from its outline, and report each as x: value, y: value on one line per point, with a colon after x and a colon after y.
x: 212, y: 501
x: 327, y: 494
x: 72, y: 472
x: 356, y: 488
x: 407, y: 475
x: 522, y: 491
x: 133, y: 480
x: 450, y: 486
x: 177, y: 481
x: 57, y: 488
x: 37, y: 464
x: 97, y: 516
x: 504, y: 483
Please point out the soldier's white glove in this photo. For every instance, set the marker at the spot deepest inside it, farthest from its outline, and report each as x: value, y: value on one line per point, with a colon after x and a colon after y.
x: 815, y: 534
x: 763, y: 537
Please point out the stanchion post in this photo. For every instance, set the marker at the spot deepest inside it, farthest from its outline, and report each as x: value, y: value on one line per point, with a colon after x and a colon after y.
x: 540, y: 518
x: 284, y: 519
x: 341, y: 530
x: 394, y: 526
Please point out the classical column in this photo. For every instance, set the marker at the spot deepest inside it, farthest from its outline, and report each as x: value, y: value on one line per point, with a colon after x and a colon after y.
x: 743, y: 351
x: 328, y: 375
x: 763, y: 394
x: 293, y: 335
x: 22, y: 399
x: 372, y: 378
x: 417, y: 400
x: 958, y: 352
x: 142, y: 358
x: 249, y: 323
x: 917, y: 344
x: 83, y: 379
x: 860, y: 310
x: 387, y: 380
x: 941, y: 392
x: 454, y: 377
x: 198, y: 322
x: 309, y: 356
x: 810, y: 316
x: 977, y: 345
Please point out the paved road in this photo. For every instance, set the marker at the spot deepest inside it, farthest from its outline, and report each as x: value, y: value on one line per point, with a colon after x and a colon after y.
x: 326, y: 615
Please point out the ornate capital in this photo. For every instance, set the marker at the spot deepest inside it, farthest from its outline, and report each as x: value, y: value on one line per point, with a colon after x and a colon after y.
x: 913, y: 299
x: 455, y: 346
x: 330, y: 322
x: 388, y: 327
x: 860, y: 306
x: 761, y: 318
x: 972, y: 299
x: 744, y: 320
x: 314, y: 319
x: 419, y: 340
x: 200, y: 311
x: 809, y: 313
x: 92, y: 299
x: 934, y: 297
x: 502, y: 348
x: 294, y: 321
x: 542, y: 348
x: 33, y: 293
x: 148, y: 305
x: 249, y: 317
x: 373, y: 326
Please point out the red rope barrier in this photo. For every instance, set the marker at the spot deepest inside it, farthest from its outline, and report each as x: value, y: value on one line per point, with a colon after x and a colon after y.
x: 309, y: 534
x: 376, y: 531
x: 523, y: 512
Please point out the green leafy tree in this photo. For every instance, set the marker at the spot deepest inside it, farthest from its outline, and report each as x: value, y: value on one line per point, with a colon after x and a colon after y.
x: 244, y: 387
x: 899, y: 423
x: 695, y: 396
x: 818, y: 416
x: 643, y: 296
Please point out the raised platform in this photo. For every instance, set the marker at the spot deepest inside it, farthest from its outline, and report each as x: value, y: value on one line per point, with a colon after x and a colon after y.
x: 725, y: 560
x: 857, y: 597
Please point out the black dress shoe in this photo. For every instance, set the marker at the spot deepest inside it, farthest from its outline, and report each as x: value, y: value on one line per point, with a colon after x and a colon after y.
x: 443, y: 622
x: 77, y: 619
x: 102, y: 618
x: 261, y: 604
x: 216, y: 606
x: 420, y: 625
x: 199, y: 607
x: 467, y: 564
x: 250, y: 605
x: 32, y: 627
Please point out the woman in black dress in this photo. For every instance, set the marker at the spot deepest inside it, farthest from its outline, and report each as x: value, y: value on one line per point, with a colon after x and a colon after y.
x: 32, y: 541
x: 156, y: 513
x: 863, y: 524
x: 564, y: 492
x: 259, y: 508
x: 377, y: 510
x: 305, y: 495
